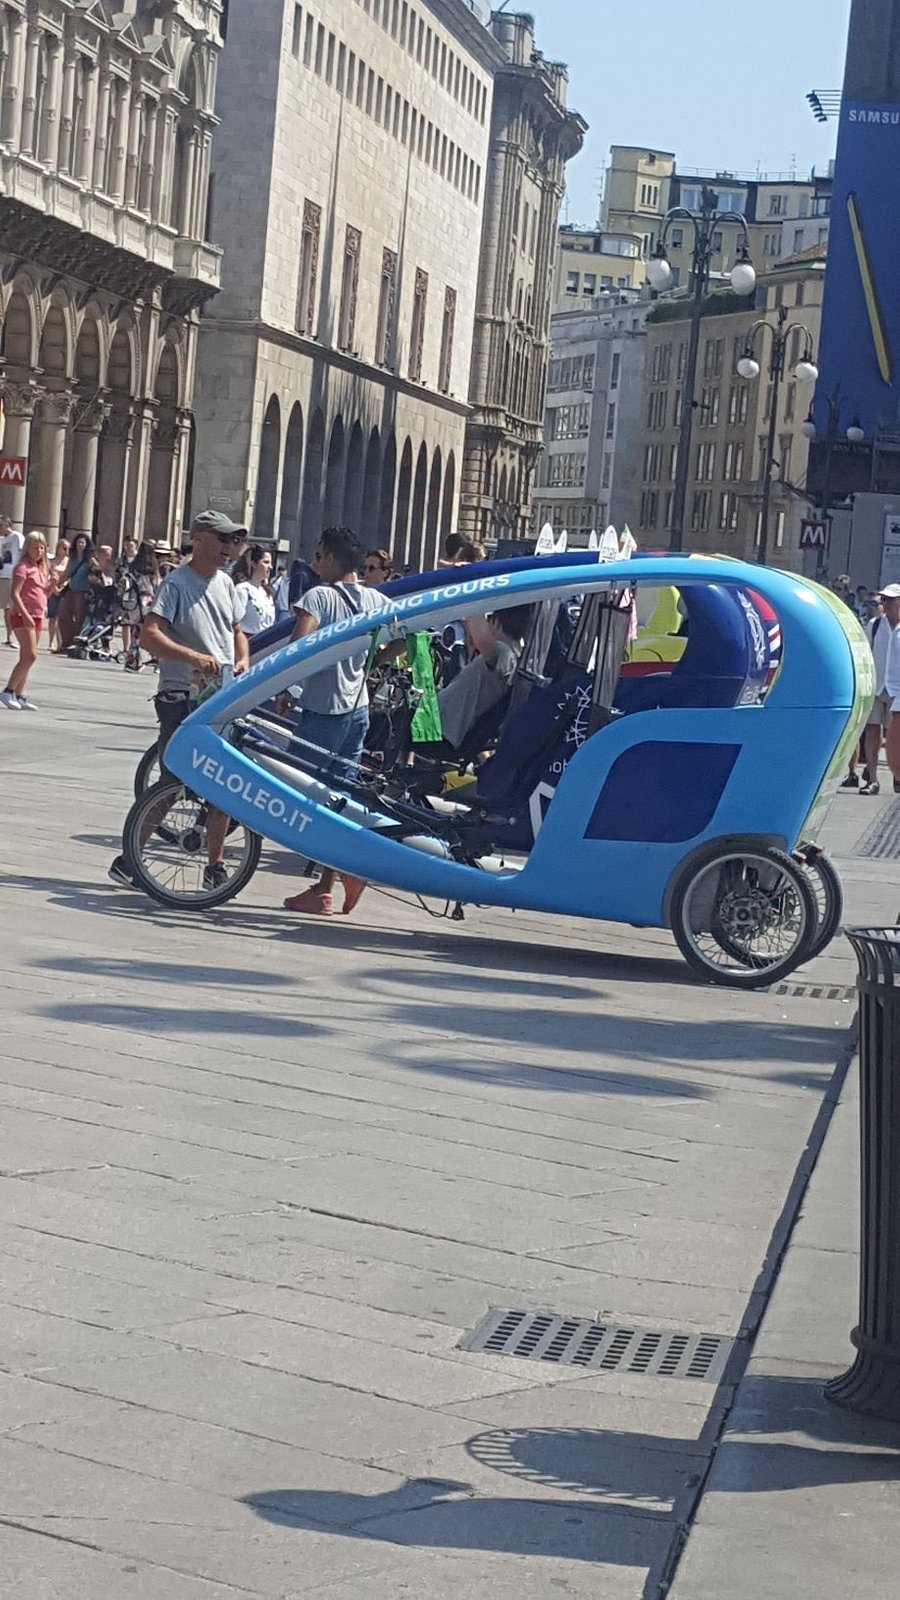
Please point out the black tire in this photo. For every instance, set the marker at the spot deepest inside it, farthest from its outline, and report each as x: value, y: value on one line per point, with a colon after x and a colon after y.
x: 829, y: 895
x: 164, y: 844
x: 744, y: 915
x: 149, y: 771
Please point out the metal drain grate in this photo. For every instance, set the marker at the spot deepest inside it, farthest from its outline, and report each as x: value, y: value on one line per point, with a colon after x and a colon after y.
x: 815, y: 991
x: 882, y: 842
x: 601, y: 1346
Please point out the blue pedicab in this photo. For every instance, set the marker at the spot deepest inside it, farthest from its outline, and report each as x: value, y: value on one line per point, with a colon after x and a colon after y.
x: 681, y: 810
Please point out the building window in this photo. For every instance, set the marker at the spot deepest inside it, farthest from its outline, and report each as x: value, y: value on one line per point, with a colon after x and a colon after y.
x: 607, y: 471
x: 573, y: 280
x: 799, y: 293
x: 587, y: 381
x: 447, y: 330
x: 709, y: 406
x: 309, y: 268
x: 589, y: 285
x: 706, y: 463
x: 777, y: 205
x: 387, y: 300
x: 733, y: 466
x: 349, y: 289
x: 737, y: 404
x: 649, y: 508
x: 417, y: 331
x: 610, y: 420
x: 615, y: 370
x: 729, y: 506
x: 700, y: 511
x: 790, y: 402
x: 799, y: 236
x: 677, y: 238
x: 297, y: 37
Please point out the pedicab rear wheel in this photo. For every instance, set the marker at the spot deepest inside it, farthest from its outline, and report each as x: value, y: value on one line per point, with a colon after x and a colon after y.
x: 829, y: 895
x: 744, y: 915
x: 165, y: 845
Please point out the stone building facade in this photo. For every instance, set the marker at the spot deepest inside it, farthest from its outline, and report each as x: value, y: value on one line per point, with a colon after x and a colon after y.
x: 532, y: 137
x: 729, y: 451
x: 106, y: 121
x: 349, y: 183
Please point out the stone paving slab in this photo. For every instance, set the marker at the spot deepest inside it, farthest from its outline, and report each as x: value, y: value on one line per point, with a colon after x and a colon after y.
x: 257, y: 1178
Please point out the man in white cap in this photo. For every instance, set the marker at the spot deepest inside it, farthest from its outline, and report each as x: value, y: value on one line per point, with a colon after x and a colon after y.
x: 886, y: 649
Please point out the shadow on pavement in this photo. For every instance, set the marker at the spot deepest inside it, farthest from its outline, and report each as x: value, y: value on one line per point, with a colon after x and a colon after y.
x: 231, y: 978
x: 183, y: 1019
x: 451, y: 1517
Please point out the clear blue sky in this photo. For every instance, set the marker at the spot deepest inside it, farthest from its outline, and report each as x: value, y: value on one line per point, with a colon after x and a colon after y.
x: 690, y: 78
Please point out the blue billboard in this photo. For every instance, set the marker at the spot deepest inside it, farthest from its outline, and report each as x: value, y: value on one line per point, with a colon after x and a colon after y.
x: 859, y: 352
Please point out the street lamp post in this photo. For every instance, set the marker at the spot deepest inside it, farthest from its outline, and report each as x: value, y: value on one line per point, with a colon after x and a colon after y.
x: 705, y: 223
x: 854, y: 434
x: 805, y: 371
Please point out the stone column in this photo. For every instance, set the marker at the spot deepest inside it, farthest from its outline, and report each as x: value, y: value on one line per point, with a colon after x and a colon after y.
x: 165, y: 158
x: 66, y: 157
x: 133, y: 163
x: 118, y: 437
x: 11, y: 108
x: 119, y: 129
x: 184, y: 222
x: 29, y: 105
x: 148, y: 163
x: 181, y: 456
x: 135, y: 510
x: 82, y: 487
x: 84, y: 156
x: 48, y: 461
x: 102, y: 129
x: 47, y: 136
x: 19, y: 401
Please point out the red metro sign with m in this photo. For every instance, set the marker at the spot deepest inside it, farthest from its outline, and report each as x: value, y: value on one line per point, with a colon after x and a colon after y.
x: 12, y: 471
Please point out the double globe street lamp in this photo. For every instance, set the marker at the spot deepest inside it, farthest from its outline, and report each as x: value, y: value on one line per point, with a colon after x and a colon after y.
x: 805, y: 371
x: 854, y: 434
x: 706, y: 223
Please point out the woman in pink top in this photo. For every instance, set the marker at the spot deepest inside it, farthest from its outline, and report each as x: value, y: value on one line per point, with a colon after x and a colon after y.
x: 31, y: 584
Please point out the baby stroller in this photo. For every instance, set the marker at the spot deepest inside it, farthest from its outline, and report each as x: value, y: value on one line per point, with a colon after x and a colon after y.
x: 95, y: 639
x: 131, y: 609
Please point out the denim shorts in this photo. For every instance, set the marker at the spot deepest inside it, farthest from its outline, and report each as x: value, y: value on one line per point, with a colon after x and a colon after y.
x: 344, y: 736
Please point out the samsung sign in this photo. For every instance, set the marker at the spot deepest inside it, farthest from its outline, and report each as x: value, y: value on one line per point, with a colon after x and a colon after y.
x: 885, y: 118
x: 860, y: 343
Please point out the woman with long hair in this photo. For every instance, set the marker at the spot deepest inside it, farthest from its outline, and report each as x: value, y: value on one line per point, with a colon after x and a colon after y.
x: 251, y: 577
x: 59, y: 568
x: 138, y: 584
x: 31, y: 585
x: 78, y: 583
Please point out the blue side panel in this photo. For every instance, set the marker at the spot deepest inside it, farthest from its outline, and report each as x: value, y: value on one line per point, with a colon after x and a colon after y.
x: 662, y: 793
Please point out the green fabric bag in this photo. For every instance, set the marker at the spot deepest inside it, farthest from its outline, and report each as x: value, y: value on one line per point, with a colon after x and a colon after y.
x: 426, y: 723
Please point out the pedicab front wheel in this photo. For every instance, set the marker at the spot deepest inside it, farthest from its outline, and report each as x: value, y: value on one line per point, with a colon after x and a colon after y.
x: 744, y: 916
x: 166, y: 845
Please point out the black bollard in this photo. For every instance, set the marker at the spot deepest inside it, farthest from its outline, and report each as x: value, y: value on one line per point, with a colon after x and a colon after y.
x: 873, y: 1383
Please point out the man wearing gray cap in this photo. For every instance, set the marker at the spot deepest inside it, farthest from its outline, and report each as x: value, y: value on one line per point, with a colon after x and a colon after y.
x: 193, y: 629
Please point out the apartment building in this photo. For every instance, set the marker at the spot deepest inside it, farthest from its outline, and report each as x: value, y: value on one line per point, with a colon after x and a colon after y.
x: 786, y: 214
x: 589, y: 472
x: 350, y: 177
x: 731, y: 420
x: 590, y: 263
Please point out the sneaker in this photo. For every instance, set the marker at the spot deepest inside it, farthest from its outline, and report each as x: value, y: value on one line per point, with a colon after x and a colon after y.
x: 119, y: 872
x: 870, y: 788
x: 215, y: 876
x: 354, y: 889
x: 26, y: 705
x: 312, y: 903
x: 851, y: 781
x: 10, y: 700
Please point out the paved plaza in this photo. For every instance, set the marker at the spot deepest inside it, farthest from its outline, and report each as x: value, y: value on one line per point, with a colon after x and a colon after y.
x: 261, y: 1176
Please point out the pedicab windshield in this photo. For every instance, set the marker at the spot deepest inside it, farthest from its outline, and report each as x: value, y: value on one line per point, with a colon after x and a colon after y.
x: 470, y: 737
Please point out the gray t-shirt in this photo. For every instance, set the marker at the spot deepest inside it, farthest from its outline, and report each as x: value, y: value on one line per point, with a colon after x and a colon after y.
x: 340, y: 688
x: 477, y: 688
x: 202, y: 613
